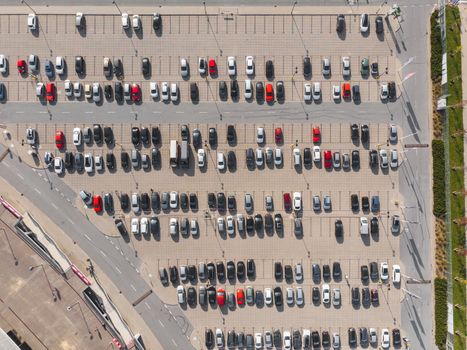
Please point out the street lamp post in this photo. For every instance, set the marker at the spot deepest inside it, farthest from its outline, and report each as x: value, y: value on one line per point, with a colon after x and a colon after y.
x: 54, y: 295
x: 69, y: 307
x: 9, y: 244
x: 24, y: 2
x: 293, y: 7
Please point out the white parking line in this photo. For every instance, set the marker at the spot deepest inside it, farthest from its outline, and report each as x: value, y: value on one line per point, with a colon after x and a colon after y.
x: 103, y: 254
x: 110, y: 112
x: 147, y: 305
x: 20, y: 176
x: 53, y: 205
x: 181, y: 112
x: 161, y: 324
x: 35, y: 189
x: 40, y: 175
x: 118, y: 270
x: 19, y: 112
x: 133, y: 287
x: 89, y: 238
x: 71, y: 221
x: 6, y: 164
x: 43, y: 112
x: 65, y: 112
x: 89, y: 112
x: 156, y: 112
x: 173, y: 341
x: 203, y: 112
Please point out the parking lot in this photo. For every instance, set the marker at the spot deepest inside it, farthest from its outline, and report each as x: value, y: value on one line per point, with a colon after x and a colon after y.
x: 283, y: 39
x: 317, y: 243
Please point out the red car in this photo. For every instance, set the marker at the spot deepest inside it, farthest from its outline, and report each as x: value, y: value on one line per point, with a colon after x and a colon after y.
x: 135, y: 93
x: 97, y: 203
x: 50, y: 91
x: 346, y: 90
x: 316, y: 134
x: 278, y: 135
x: 21, y: 65
x: 221, y: 297
x: 59, y: 139
x: 212, y: 67
x: 287, y: 202
x: 269, y: 93
x: 240, y: 296
x: 327, y: 159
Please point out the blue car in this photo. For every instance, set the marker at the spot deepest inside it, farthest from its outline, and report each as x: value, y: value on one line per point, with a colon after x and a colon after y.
x: 375, y: 204
x: 49, y: 69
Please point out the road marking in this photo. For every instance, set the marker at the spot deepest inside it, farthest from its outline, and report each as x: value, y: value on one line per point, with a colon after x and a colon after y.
x: 180, y: 112
x: 103, y: 254
x: 71, y: 221
x: 111, y: 112
x: 34, y: 170
x: 89, y: 238
x: 35, y: 189
x: 53, y: 205
x: 118, y: 270
x: 156, y: 112
x: 173, y: 341
x: 45, y: 179
x: 89, y: 112
x: 161, y: 323
x: 147, y: 305
x: 203, y: 112
x: 56, y: 189
x: 43, y: 112
x: 65, y: 112
x: 7, y: 165
x: 132, y: 286
x: 19, y: 112
x: 40, y: 175
x: 20, y: 176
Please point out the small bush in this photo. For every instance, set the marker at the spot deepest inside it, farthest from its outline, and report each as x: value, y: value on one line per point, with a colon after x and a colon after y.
x: 441, y: 312
x: 439, y: 183
x: 436, y: 48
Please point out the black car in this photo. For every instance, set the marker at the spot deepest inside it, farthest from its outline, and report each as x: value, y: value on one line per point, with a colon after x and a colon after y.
x: 122, y: 230
x: 374, y: 69
x: 124, y: 201
x: 354, y: 202
x: 97, y: 130
x: 234, y: 89
x: 365, y: 203
x: 110, y: 161
x: 79, y: 161
x: 211, y: 270
x: 173, y: 274
x: 338, y: 228
x: 145, y: 66
x: 288, y: 273
x: 183, y: 201
x: 118, y: 91
x: 258, y: 222
x: 155, y: 201
x: 108, y: 135
x: 108, y: 91
x: 278, y: 270
x: 231, y: 339
x: 259, y: 91
x: 307, y: 156
x: 184, y: 132
x: 340, y: 24
x: 396, y: 337
x: 306, y: 66
x: 379, y: 25
x: 280, y: 90
x: 250, y: 268
x: 117, y: 67
x: 191, y: 296
x: 69, y: 160
x: 109, y: 202
x: 230, y: 270
x: 296, y: 339
x: 221, y: 201
x: 365, y: 133
x: 212, y: 295
x: 354, y: 132
x: 155, y: 135
x: 223, y: 90
x: 278, y: 222
x: 269, y: 69
x: 363, y: 336
x: 191, y: 272
x: 155, y: 157
x: 315, y: 296
x: 373, y: 158
x: 326, y: 272
x: 209, y: 338
x: 315, y: 339
x: 79, y: 65
x: 194, y: 91
x: 249, y: 157
x: 352, y: 335
x: 277, y: 336
x: 364, y: 275
x: 193, y: 201
x: 135, y: 136
x: 355, y: 296
x: 145, y: 137
x: 366, y: 296
x: 374, y: 225
x: 268, y: 222
x: 211, y: 200
x: 325, y: 339
x: 231, y: 134
x: 250, y: 224
x: 240, y: 270
x: 374, y: 271
x: 231, y: 203
x: 391, y: 90
x: 212, y: 137
x: 356, y: 93
x: 278, y: 296
x: 336, y: 271
x: 355, y: 159
x: 196, y: 138
x: 231, y: 160
x: 145, y: 203
x: 316, y: 273
x: 156, y: 21
x: 220, y: 271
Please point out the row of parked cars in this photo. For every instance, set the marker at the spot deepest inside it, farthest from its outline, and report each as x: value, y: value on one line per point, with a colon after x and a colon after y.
x: 300, y: 339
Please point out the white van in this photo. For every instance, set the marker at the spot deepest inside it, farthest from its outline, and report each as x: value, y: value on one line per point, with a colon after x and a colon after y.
x: 79, y: 20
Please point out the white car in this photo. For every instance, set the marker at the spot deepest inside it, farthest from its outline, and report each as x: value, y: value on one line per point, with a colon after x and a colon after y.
x: 364, y: 23
x: 316, y: 154
x: 316, y: 91
x: 307, y: 92
x: 384, y: 271
x: 268, y: 296
x: 58, y: 165
x: 144, y: 226
x: 278, y: 156
x: 136, y: 22
x: 127, y: 91
x: 394, y: 159
x: 289, y: 296
x: 77, y: 137
x: 326, y: 66
x: 173, y: 226
x: 33, y: 63
x: 221, y: 224
x: 260, y: 135
x: 297, y: 201
x: 231, y: 66
x: 298, y: 272
x: 259, y: 157
x: 384, y: 92
x: 326, y: 294
x: 173, y: 200
x: 135, y: 226
x: 219, y: 338
x: 96, y: 92
x: 59, y: 65
x: 363, y: 225
x: 153, y: 89
x: 31, y: 136
x: 88, y: 163
x: 202, y: 65
x: 297, y: 159
x: 3, y: 64
x: 32, y: 21
x: 194, y: 227
x: 392, y: 133
x: 336, y: 92
x: 346, y: 66
x: 220, y: 161
x: 125, y: 21
x: 173, y: 92
x: 287, y: 340
x: 184, y: 67
x: 68, y: 88
x: 248, y: 89
x: 258, y: 341
x: 336, y: 160
x: 249, y: 65
x: 77, y: 89
x: 181, y: 294
x: 385, y: 338
x: 396, y: 274
x: 165, y: 91
x: 336, y: 298
x: 299, y: 296
x: 99, y: 161
x: 230, y: 225
x: 383, y: 154
x: 373, y: 337
x: 201, y: 158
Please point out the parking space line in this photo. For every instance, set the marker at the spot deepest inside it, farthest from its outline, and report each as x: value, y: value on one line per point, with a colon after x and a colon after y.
x: 35, y: 189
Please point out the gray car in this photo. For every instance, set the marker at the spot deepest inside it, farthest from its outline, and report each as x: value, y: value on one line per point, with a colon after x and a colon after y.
x: 327, y: 205
x: 316, y: 203
x: 248, y: 203
x: 165, y: 200
x: 268, y: 203
x: 135, y: 158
